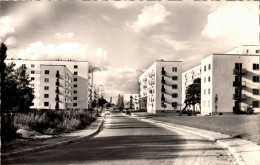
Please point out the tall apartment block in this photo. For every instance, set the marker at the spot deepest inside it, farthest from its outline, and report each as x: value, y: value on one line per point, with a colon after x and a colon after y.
x: 161, y: 82
x: 57, y: 84
x: 230, y: 81
x: 135, y: 100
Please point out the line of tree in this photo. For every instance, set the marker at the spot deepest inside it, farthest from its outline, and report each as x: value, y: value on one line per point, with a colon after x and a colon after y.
x: 120, y: 102
x: 193, y: 95
x: 16, y: 93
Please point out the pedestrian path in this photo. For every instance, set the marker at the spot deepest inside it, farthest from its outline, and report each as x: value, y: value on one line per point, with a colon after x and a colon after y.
x: 245, y: 152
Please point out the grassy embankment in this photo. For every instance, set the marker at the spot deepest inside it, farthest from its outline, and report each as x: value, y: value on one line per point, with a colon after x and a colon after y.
x: 50, y: 122
x: 242, y: 126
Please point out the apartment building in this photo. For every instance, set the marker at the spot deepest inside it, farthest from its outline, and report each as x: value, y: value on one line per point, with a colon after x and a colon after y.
x: 57, y: 84
x: 135, y: 101
x: 161, y: 83
x: 230, y: 81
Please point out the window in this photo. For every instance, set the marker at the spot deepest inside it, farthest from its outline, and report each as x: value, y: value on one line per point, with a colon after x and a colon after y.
x: 46, y: 104
x: 255, y: 78
x: 46, y: 88
x: 75, y: 98
x: 75, y: 104
x: 47, y: 72
x: 75, y: 73
x: 205, y: 80
x: 174, y: 77
x: 208, y: 91
x: 209, y: 66
x: 32, y: 65
x: 204, y: 103
x: 174, y: 95
x: 46, y: 95
x: 255, y: 66
x: 75, y: 92
x: 174, y: 86
x: 75, y: 66
x: 32, y: 85
x: 75, y: 79
x: 209, y: 79
x: 257, y: 51
x: 205, y: 68
x: 32, y: 72
x: 205, y: 92
x: 174, y: 69
x: 46, y: 79
x: 32, y: 78
x: 174, y: 104
x: 255, y: 91
x: 75, y: 85
x: 255, y: 104
x: 23, y: 65
x: 208, y: 103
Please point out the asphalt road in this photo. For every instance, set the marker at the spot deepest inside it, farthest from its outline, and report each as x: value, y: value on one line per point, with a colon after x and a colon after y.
x: 126, y: 140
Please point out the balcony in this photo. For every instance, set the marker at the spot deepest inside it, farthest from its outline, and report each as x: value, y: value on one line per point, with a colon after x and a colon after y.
x: 163, y: 72
x: 239, y: 97
x: 239, y: 71
x: 58, y: 84
x: 239, y: 83
x: 59, y: 76
x: 163, y: 81
x: 163, y: 90
x: 162, y: 98
x: 57, y: 99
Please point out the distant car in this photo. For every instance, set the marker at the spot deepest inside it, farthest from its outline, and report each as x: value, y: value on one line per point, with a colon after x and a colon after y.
x: 107, y: 111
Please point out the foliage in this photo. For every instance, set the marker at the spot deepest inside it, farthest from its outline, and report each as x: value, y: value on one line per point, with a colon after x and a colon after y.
x: 53, y: 122
x: 193, y: 94
x: 120, y: 102
x: 102, y: 101
x: 131, y: 102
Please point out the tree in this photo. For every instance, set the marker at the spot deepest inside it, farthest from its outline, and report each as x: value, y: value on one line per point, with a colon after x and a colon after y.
x: 193, y: 94
x: 118, y: 101
x: 131, y: 102
x: 101, y: 102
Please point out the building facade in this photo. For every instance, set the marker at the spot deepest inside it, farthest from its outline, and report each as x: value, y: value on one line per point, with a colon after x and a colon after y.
x: 161, y: 83
x: 135, y: 101
x: 230, y: 82
x: 57, y: 84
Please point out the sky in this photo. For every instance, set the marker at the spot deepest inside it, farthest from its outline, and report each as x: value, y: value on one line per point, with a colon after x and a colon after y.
x: 125, y: 38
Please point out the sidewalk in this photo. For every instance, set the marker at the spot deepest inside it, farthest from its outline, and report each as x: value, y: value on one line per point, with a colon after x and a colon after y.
x: 245, y: 152
x: 46, y: 143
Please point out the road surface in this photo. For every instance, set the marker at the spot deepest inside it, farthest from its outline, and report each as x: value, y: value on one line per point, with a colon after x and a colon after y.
x: 126, y: 141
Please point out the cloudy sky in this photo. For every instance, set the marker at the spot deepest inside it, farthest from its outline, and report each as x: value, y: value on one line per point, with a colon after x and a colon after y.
x: 124, y: 38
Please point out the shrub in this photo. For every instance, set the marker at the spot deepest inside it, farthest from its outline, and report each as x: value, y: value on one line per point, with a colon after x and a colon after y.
x: 53, y: 122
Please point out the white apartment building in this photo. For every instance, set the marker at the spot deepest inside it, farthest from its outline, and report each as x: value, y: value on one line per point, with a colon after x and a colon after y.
x: 57, y: 84
x: 230, y: 82
x: 161, y: 82
x: 135, y: 100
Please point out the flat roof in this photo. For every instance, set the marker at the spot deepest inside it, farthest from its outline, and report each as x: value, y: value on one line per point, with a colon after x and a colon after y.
x: 236, y: 54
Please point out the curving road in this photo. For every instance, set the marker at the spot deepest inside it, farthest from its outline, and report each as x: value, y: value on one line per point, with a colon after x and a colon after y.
x: 125, y: 141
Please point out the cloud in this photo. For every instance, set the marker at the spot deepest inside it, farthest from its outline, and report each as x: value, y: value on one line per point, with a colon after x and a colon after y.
x: 149, y: 17
x: 117, y: 81
x: 11, y: 42
x: 6, y: 27
x: 64, y: 35
x: 238, y: 22
x: 166, y: 40
x: 63, y: 51
x: 121, y: 4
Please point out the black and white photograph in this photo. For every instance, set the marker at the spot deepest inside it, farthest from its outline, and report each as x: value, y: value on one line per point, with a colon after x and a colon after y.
x: 130, y: 82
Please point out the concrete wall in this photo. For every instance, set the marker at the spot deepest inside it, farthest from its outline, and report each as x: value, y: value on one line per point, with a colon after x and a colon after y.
x: 223, y: 66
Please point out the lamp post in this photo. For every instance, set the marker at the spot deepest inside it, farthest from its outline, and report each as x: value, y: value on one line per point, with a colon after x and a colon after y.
x: 98, y: 97
x: 92, y: 81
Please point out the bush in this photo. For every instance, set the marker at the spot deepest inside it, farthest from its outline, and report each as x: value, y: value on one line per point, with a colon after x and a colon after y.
x: 53, y: 122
